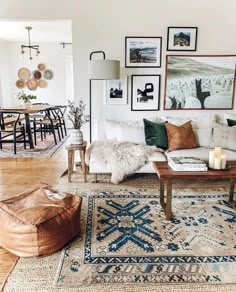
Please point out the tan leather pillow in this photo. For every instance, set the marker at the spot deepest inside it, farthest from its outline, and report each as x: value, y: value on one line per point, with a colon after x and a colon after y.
x: 180, y: 137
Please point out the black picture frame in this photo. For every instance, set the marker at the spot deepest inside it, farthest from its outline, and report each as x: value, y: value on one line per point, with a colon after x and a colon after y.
x: 143, y: 52
x: 145, y: 92
x: 181, y: 38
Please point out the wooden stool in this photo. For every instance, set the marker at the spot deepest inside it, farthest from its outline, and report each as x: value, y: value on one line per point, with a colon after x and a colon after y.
x: 71, y: 151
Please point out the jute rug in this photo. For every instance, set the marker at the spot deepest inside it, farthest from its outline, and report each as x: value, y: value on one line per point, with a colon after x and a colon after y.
x: 140, y: 250
x: 45, y: 148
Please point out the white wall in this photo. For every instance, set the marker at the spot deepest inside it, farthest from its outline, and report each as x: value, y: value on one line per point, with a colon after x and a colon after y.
x: 52, y: 55
x: 103, y: 25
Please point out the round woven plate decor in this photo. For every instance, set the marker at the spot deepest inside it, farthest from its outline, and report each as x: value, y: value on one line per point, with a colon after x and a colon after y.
x: 41, y: 66
x: 32, y: 84
x: 24, y: 73
x: 42, y: 83
x: 37, y: 74
x: 20, y: 83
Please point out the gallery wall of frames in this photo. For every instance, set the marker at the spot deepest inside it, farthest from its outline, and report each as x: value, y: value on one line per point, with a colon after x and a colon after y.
x: 192, y: 81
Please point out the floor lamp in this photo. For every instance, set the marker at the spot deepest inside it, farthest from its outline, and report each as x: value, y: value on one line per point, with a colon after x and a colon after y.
x: 101, y: 69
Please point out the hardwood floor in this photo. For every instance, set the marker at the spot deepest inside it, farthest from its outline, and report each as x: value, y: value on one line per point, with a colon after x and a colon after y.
x: 19, y: 174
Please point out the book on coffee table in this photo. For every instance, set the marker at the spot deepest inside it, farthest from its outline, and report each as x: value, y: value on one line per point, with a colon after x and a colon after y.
x: 187, y: 163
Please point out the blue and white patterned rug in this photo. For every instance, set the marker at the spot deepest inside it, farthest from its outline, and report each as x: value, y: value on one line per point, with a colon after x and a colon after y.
x: 126, y: 239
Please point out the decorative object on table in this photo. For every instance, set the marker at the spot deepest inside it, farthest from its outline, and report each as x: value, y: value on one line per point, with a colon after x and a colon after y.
x: 182, y: 38
x: 24, y: 73
x: 26, y: 98
x: 42, y: 83
x: 186, y: 163
x: 48, y: 74
x: 78, y: 118
x: 116, y: 91
x: 29, y: 47
x: 217, y: 160
x: 100, y: 69
x: 143, y: 52
x: 20, y: 83
x: 32, y: 84
x: 199, y: 82
x: 145, y: 92
x: 37, y: 74
x: 41, y: 67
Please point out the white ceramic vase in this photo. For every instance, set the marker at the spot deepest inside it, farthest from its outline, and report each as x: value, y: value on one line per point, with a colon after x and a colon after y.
x: 27, y: 104
x: 76, y: 136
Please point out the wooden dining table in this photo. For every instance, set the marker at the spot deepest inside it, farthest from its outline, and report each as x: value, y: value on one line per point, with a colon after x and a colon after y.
x: 33, y: 109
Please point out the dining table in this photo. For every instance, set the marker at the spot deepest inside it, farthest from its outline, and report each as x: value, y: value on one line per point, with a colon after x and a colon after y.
x: 32, y: 109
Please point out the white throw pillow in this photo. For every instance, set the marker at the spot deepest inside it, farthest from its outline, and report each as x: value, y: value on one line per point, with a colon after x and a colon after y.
x: 223, y: 136
x: 202, y: 127
x: 230, y: 117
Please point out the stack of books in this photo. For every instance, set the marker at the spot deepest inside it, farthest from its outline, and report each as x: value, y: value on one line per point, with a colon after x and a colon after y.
x: 186, y: 163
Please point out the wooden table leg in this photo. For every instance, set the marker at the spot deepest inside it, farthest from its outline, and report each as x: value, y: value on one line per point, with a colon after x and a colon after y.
x: 169, y: 200
x: 231, y: 191
x: 70, y: 163
x: 162, y: 194
x: 84, y: 169
x: 28, y: 130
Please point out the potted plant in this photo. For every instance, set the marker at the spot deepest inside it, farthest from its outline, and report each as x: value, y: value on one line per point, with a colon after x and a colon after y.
x: 26, y: 97
x: 78, y: 118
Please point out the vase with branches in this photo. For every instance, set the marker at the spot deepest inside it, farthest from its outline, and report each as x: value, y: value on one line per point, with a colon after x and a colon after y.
x: 78, y: 118
x: 26, y: 97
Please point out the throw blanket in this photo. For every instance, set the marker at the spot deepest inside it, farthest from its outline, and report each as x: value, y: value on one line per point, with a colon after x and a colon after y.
x: 123, y: 158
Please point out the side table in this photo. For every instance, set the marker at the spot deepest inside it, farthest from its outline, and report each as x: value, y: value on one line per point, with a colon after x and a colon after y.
x: 71, y: 151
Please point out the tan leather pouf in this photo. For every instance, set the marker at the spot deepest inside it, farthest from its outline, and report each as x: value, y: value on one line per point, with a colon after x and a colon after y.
x: 39, y: 221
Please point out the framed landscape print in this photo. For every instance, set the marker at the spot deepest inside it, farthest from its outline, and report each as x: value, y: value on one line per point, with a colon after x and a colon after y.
x: 199, y: 82
x: 143, y: 52
x: 116, y: 91
x: 182, y: 38
x: 145, y: 92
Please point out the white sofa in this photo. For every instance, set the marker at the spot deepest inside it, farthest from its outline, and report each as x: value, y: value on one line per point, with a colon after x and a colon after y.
x: 133, y: 131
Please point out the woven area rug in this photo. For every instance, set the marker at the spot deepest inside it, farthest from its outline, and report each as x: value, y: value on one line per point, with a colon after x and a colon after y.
x: 127, y: 245
x: 45, y: 148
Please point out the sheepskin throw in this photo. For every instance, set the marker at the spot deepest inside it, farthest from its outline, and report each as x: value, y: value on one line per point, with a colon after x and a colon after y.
x: 123, y: 158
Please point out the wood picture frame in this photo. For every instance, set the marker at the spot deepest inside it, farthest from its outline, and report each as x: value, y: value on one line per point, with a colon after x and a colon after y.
x: 203, y: 82
x: 143, y: 52
x: 145, y: 92
x: 182, y: 38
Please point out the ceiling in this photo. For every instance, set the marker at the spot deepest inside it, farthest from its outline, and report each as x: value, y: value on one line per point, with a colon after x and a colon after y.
x: 42, y: 31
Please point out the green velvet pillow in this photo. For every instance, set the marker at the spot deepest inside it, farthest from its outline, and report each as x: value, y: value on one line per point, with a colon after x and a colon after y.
x: 155, y: 134
x: 231, y: 123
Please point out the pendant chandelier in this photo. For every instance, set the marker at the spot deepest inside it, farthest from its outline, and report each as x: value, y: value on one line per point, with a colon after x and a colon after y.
x: 30, y: 47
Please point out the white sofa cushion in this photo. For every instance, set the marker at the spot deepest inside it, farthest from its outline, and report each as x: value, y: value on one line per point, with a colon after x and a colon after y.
x: 224, y: 136
x: 130, y: 131
x: 202, y: 127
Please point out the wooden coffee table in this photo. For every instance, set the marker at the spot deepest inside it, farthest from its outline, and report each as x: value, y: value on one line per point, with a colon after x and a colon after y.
x: 166, y: 175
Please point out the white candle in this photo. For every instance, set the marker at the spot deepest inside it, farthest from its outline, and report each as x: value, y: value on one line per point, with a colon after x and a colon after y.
x: 223, y: 161
x: 217, y: 151
x: 211, y: 158
x: 217, y: 163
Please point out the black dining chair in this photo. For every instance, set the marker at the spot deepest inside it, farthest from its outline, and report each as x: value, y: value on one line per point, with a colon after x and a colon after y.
x: 12, y: 129
x: 49, y: 124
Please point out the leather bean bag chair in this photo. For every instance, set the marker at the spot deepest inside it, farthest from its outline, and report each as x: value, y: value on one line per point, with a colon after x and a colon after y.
x: 39, y: 221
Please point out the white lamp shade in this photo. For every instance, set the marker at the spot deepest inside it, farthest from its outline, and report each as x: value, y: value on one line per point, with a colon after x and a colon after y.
x: 104, y: 69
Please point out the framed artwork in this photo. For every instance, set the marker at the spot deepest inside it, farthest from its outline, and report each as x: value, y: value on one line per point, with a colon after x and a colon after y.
x: 116, y: 91
x: 143, y: 52
x: 199, y: 82
x: 182, y: 38
x: 145, y: 92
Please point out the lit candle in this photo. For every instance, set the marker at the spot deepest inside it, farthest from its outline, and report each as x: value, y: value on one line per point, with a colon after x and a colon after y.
x: 211, y: 158
x: 223, y: 161
x: 217, y: 163
x: 217, y: 151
